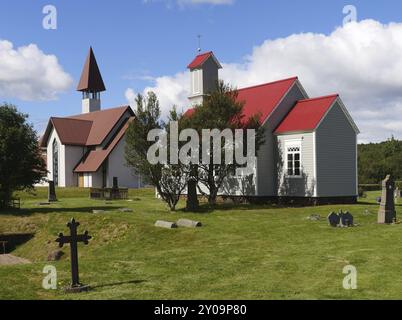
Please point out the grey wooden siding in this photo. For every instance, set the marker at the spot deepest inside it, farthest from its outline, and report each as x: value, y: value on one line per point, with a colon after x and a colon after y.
x: 336, y: 155
x: 305, y: 185
x: 209, y: 76
x: 267, y: 155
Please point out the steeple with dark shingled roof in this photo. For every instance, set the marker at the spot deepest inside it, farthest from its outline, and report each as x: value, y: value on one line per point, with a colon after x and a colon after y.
x: 91, y: 78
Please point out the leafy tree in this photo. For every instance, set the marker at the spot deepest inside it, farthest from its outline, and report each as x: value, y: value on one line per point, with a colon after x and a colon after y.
x: 21, y: 164
x: 169, y: 180
x: 221, y: 110
x: 376, y: 160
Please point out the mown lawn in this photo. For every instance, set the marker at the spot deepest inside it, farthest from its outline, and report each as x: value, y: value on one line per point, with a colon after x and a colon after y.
x: 241, y: 252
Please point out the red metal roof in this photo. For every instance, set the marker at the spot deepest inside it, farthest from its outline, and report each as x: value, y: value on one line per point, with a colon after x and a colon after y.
x: 262, y: 99
x: 95, y: 158
x: 306, y: 114
x: 200, y: 60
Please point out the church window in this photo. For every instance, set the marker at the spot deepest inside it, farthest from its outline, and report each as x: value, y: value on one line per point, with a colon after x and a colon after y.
x: 196, y: 78
x: 55, y: 163
x: 293, y: 160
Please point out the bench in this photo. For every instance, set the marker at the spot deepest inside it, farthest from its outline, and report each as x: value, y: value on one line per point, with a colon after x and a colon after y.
x: 12, y: 203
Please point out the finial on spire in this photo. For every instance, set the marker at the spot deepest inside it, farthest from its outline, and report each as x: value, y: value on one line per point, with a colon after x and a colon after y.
x: 199, y: 43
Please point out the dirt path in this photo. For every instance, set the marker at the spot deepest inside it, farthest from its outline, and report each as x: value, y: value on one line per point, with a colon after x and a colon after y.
x: 9, y: 259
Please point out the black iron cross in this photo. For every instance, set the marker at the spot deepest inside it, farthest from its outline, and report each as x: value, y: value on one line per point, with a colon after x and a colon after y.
x: 73, y: 240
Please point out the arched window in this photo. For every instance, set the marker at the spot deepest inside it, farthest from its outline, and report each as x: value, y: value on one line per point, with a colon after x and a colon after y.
x: 55, y: 163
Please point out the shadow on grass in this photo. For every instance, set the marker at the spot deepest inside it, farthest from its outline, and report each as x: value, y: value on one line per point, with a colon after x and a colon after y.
x: 49, y: 209
x: 117, y: 284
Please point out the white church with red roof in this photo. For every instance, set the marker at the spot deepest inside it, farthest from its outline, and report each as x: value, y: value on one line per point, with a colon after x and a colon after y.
x: 309, y: 154
x: 310, y: 149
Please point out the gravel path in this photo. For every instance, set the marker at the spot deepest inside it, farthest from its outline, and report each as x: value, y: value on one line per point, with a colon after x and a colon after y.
x: 9, y: 259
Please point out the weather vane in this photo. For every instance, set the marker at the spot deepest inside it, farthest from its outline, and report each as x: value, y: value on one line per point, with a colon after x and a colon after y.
x: 199, y: 42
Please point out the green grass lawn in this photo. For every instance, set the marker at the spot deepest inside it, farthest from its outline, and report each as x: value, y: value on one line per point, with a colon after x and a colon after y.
x: 241, y: 252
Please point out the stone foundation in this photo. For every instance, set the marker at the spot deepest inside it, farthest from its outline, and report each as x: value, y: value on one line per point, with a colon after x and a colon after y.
x: 289, y: 201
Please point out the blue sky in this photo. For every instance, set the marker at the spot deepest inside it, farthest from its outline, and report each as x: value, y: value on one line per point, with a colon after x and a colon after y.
x: 136, y: 41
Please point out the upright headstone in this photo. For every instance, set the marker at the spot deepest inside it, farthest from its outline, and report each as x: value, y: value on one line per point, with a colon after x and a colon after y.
x: 115, y: 183
x: 346, y: 219
x: 52, y: 192
x: 333, y: 219
x: 397, y: 193
x: 387, y: 213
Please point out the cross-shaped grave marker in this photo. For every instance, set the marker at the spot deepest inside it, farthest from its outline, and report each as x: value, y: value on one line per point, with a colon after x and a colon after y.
x: 73, y: 239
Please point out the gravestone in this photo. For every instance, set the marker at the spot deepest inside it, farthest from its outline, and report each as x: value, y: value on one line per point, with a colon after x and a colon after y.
x: 346, y: 219
x: 95, y: 211
x: 115, y: 183
x: 73, y: 239
x: 333, y: 219
x: 125, y: 210
x: 55, y: 255
x: 387, y: 213
x: 188, y: 223
x: 397, y: 193
x: 314, y: 217
x: 165, y: 224
x: 52, y: 192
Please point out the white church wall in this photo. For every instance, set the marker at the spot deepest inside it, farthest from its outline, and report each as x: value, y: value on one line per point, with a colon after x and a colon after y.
x: 73, y: 155
x: 117, y: 168
x: 61, y: 161
x: 87, y: 180
x: 267, y: 155
x: 96, y: 179
x: 305, y: 185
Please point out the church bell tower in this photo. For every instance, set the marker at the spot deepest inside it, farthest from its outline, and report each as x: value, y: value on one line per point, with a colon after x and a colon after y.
x: 204, y: 71
x: 91, y: 85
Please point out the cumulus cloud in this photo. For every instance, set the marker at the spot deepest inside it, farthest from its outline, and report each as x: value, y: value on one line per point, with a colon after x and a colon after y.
x: 29, y: 74
x: 361, y: 61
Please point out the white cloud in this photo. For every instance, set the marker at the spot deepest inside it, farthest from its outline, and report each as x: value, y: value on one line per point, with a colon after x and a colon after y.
x: 361, y: 61
x: 27, y: 73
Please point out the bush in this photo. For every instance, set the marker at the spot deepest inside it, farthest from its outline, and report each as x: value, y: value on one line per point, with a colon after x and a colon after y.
x: 369, y: 187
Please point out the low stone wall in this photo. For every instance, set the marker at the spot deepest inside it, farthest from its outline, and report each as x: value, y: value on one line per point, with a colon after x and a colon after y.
x: 289, y: 201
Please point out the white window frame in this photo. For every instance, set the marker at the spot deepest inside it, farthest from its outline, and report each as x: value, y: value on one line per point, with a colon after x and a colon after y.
x: 196, y: 79
x: 293, y: 144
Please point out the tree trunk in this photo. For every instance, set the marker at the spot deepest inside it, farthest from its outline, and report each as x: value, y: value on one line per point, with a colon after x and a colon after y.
x: 192, y: 197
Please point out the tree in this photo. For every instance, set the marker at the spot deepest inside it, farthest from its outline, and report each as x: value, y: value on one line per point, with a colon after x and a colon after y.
x: 376, y: 160
x: 21, y: 163
x: 221, y: 110
x: 169, y: 180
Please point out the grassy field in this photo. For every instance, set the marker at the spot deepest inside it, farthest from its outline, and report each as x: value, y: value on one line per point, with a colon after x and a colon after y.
x: 241, y: 252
